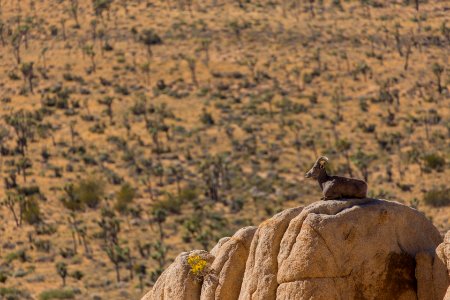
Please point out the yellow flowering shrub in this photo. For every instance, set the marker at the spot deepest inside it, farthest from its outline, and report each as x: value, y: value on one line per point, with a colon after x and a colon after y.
x: 197, y: 264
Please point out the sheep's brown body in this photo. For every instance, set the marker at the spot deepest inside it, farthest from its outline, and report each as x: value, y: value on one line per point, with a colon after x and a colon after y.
x: 336, y: 187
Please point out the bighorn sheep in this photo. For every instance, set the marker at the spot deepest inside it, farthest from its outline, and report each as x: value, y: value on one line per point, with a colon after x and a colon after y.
x: 336, y: 187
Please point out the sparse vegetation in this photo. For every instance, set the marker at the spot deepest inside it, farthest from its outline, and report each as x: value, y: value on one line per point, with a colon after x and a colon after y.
x: 133, y: 130
x: 57, y: 294
x: 437, y: 197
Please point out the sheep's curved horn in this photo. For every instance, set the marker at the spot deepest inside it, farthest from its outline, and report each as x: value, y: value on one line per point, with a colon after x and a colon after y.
x: 322, y: 160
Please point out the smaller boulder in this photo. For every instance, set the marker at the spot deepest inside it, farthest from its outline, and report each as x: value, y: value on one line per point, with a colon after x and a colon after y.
x: 177, y: 282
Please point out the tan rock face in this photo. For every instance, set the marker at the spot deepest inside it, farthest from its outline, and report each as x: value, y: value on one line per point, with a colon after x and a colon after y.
x: 441, y: 269
x: 366, y: 246
x: 350, y: 249
x: 260, y: 278
x: 228, y: 268
x: 177, y: 282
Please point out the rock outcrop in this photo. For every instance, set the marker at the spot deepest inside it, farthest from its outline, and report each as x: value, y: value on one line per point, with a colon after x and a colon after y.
x: 441, y: 267
x: 177, y: 283
x: 349, y: 249
x: 228, y: 268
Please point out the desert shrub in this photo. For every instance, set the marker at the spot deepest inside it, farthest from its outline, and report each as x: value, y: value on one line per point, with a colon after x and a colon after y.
x: 434, y: 161
x: 237, y: 205
x: 87, y: 192
x: 124, y: 197
x: 77, y: 274
x: 20, y: 254
x: 71, y: 200
x: 171, y: 204
x: 13, y: 294
x: 29, y: 190
x: 437, y: 197
x: 3, y: 276
x: 44, y: 229
x: 57, y: 294
x: 32, y: 212
x: 188, y: 194
x: 206, y: 118
x: 43, y: 245
x: 66, y: 252
x: 98, y: 128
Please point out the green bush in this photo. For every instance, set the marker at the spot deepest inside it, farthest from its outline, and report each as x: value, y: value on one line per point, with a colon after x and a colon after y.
x: 206, y: 118
x: 124, y: 197
x: 3, y: 276
x: 87, y: 192
x: 32, y: 212
x: 13, y: 294
x: 434, y: 161
x: 171, y: 204
x: 77, y: 274
x: 19, y: 254
x: 90, y: 191
x: 57, y: 294
x: 437, y: 197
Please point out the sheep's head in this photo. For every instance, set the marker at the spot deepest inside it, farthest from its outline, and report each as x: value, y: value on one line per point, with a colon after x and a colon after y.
x: 318, y: 167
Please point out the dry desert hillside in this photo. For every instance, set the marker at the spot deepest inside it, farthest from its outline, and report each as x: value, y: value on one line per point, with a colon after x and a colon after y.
x: 132, y: 130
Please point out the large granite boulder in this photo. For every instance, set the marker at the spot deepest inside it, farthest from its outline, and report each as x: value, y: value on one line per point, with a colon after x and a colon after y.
x: 346, y: 249
x: 354, y: 249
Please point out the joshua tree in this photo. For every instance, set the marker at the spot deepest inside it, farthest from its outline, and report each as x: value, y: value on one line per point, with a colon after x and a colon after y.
x: 4, y: 136
x: 43, y: 57
x: 268, y: 98
x: 63, y: 28
x: 16, y: 43
x: 177, y: 172
x: 204, y: 46
x: 146, y: 69
x: 398, y: 40
x: 11, y: 202
x: 89, y: 51
x: 311, y: 8
x: 22, y: 165
x: 408, y: 53
x: 337, y: 100
x: 363, y: 161
x: 23, y: 125
x: 116, y: 255
x: 445, y: 31
x: 100, y: 6
x: 108, y: 102
x: 141, y: 271
x: 2, y: 29
x: 27, y: 72
x: 192, y: 67
x: 149, y: 38
x: 73, y: 132
x: 159, y: 216
x: 159, y: 255
x: 437, y: 71
x: 61, y: 268
x: 74, y: 12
